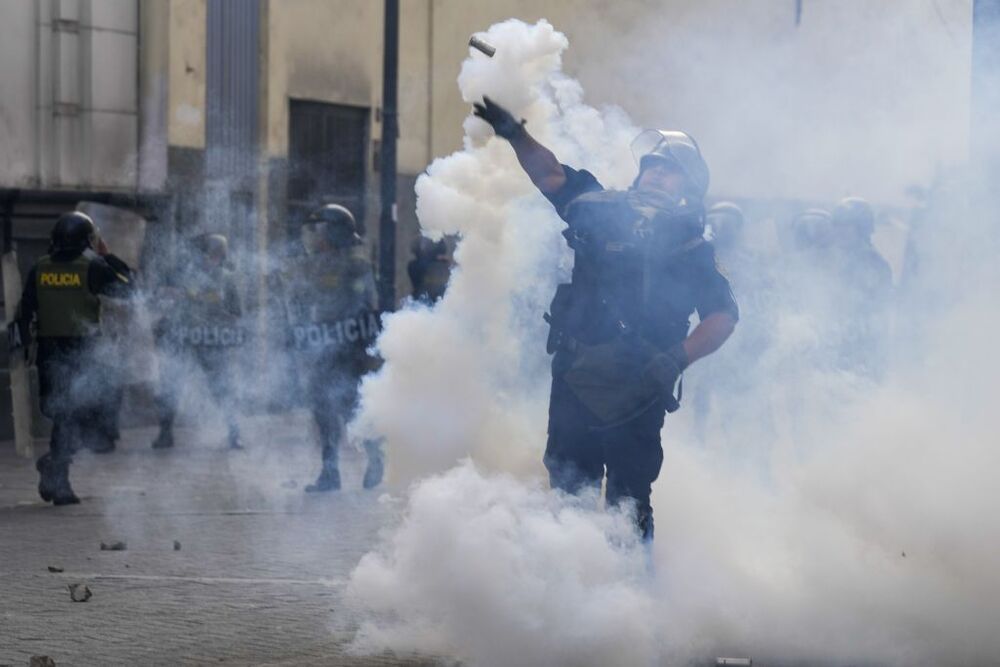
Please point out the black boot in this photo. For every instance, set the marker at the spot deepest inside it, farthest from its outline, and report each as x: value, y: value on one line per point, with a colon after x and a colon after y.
x: 165, y: 439
x: 376, y: 465
x: 329, y: 477
x: 644, y: 522
x: 46, y: 479
x: 234, y: 438
x: 100, y: 442
x: 63, y: 492
x: 103, y: 446
x: 328, y: 480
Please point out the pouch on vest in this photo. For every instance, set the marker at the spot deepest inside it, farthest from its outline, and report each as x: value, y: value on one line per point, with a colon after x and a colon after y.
x: 612, y: 381
x: 569, y: 317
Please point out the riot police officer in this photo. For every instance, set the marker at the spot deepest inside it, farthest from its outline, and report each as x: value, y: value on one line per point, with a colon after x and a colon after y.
x: 332, y: 321
x: 430, y: 269
x: 60, y: 300
x: 202, y: 325
x: 721, y: 387
x: 620, y: 329
x: 865, y: 288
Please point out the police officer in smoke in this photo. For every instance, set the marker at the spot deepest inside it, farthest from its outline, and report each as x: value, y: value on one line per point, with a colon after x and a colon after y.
x: 201, y: 326
x: 330, y: 307
x: 430, y: 269
x: 620, y: 329
x: 865, y: 289
x: 721, y: 387
x: 61, y: 304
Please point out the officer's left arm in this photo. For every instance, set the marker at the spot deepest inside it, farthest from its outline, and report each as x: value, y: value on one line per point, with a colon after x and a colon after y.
x: 111, y: 277
x: 361, y: 278
x: 709, y: 335
x: 716, y: 307
x: 233, y: 303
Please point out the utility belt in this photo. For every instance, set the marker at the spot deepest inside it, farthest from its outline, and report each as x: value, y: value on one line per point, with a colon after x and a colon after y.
x: 207, y: 335
x: 349, y: 332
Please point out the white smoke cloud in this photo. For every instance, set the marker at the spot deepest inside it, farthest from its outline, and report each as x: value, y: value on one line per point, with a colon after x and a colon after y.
x: 530, y: 577
x: 858, y: 530
x: 483, y: 341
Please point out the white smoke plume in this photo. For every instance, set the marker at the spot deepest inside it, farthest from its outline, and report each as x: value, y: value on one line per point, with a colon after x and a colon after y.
x: 469, y: 376
x: 860, y: 531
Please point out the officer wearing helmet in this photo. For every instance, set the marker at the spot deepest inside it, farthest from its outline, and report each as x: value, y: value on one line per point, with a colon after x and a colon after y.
x: 725, y: 221
x: 619, y: 331
x: 865, y: 288
x: 332, y: 321
x: 430, y: 269
x: 812, y: 233
x: 721, y: 387
x: 61, y: 306
x: 201, y: 326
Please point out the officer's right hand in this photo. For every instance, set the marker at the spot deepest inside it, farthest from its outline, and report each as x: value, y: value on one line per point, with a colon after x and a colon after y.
x: 663, y: 370
x: 501, y: 120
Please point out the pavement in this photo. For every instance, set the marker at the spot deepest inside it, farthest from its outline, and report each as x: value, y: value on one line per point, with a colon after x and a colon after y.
x: 259, y: 578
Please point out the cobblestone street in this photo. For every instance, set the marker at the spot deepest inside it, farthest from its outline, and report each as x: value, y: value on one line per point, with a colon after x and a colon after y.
x: 258, y: 579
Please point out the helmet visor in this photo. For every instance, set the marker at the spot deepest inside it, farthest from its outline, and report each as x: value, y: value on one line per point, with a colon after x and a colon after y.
x: 662, y: 143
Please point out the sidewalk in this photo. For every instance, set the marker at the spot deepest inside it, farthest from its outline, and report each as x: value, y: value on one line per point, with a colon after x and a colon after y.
x: 259, y: 577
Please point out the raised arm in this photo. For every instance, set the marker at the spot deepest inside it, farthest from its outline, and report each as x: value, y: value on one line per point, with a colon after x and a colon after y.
x: 541, y: 164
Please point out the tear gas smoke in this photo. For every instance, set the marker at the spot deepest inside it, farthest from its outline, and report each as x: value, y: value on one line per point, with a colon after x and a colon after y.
x: 835, y: 518
x: 481, y: 341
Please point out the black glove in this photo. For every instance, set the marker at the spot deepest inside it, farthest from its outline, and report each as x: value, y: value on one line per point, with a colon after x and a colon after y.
x: 501, y: 120
x: 664, y: 369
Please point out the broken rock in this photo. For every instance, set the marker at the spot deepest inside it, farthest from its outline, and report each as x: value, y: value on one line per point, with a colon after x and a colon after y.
x: 177, y: 545
x: 79, y: 592
x: 41, y: 661
x: 55, y: 568
x: 114, y: 546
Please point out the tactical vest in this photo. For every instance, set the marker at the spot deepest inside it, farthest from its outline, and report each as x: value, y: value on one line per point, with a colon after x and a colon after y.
x: 66, y: 306
x: 335, y: 285
x: 628, y: 276
x: 205, y: 299
x: 332, y: 310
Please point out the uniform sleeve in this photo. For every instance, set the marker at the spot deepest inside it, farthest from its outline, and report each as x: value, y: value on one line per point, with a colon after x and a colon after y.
x: 367, y: 277
x: 110, y: 276
x: 714, y: 293
x: 578, y: 182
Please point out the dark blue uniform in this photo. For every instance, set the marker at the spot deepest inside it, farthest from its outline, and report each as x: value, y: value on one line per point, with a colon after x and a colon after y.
x: 640, y: 272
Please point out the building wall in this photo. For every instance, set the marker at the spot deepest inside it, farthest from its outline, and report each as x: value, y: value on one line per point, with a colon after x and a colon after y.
x: 154, y: 80
x: 69, y: 103
x: 186, y: 101
x: 18, y: 115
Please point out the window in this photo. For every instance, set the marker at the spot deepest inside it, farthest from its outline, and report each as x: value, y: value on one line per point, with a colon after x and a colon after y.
x: 326, y: 158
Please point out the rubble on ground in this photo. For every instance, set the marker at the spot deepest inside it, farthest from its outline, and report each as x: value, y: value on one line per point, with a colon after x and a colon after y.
x: 79, y: 592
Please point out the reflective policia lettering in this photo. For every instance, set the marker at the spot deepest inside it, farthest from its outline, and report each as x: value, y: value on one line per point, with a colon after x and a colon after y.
x: 60, y: 279
x: 210, y: 336
x: 348, y: 330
